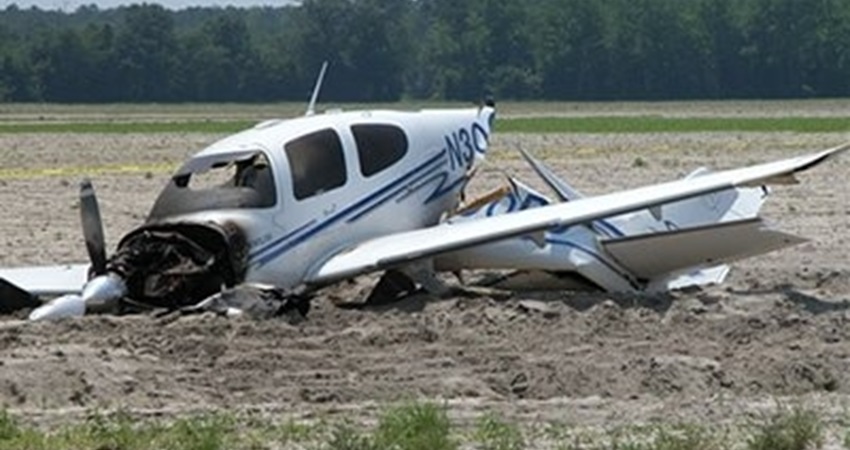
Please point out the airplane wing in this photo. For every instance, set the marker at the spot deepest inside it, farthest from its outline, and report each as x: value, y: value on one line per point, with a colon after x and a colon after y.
x: 401, y: 248
x: 48, y: 280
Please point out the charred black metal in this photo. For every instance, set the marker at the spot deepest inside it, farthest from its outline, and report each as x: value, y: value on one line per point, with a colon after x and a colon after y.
x: 175, y: 265
x: 13, y: 298
x: 392, y: 287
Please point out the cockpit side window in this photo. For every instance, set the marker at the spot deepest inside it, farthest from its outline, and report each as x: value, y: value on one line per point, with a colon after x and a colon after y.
x: 378, y: 146
x: 317, y: 163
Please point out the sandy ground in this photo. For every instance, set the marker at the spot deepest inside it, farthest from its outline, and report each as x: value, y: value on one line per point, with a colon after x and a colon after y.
x: 776, y: 333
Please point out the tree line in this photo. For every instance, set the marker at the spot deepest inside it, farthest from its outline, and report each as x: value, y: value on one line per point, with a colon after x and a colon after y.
x: 387, y: 50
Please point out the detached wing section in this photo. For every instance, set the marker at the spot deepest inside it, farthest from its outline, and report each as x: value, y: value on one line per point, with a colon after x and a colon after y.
x: 48, y: 280
x: 401, y: 248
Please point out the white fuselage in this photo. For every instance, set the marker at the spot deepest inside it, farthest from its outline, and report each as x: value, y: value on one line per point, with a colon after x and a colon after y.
x: 374, y: 173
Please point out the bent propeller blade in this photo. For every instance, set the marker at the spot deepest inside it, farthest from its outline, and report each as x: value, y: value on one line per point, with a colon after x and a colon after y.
x: 92, y: 227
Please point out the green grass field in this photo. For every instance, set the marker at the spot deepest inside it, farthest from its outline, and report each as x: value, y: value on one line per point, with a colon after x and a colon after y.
x: 594, y: 124
x: 797, y: 116
x: 409, y: 426
x: 658, y: 124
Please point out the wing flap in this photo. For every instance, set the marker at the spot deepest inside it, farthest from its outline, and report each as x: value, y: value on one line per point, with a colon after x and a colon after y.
x: 652, y: 255
x: 400, y: 248
x: 48, y: 280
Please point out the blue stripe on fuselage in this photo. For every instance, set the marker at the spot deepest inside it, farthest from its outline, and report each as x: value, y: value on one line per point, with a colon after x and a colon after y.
x: 445, y: 187
x: 427, y: 175
x: 609, y: 228
x: 283, y: 244
x: 604, y: 227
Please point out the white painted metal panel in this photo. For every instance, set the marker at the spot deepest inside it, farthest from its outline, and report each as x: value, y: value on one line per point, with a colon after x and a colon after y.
x: 652, y: 255
x: 48, y: 280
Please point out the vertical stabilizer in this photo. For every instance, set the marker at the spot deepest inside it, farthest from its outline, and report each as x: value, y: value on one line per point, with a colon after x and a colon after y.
x: 564, y: 191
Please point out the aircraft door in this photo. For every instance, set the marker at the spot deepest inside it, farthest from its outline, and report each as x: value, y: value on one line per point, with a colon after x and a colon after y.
x: 317, y: 172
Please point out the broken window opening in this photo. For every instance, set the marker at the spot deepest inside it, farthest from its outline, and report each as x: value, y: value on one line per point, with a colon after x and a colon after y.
x: 223, y: 181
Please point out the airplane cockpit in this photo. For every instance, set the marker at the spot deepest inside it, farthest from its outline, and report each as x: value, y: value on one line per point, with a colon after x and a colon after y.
x: 220, y: 181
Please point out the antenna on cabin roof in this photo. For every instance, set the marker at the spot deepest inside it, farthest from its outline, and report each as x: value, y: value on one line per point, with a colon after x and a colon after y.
x: 311, y: 108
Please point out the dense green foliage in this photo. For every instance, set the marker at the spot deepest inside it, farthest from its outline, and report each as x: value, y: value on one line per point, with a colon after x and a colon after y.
x: 385, y: 50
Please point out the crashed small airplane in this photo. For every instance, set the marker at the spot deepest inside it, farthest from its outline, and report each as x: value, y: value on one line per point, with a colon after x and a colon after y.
x: 290, y: 206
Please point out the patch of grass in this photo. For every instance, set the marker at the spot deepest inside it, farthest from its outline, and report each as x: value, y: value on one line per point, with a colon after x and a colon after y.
x: 345, y: 436
x: 659, y: 124
x: 590, y: 124
x: 410, y: 426
x: 121, y: 432
x: 8, y: 426
x: 639, y: 162
x: 688, y: 437
x: 493, y: 433
x: 294, y: 432
x: 797, y: 429
x: 206, y: 432
x: 113, y: 432
x: 415, y: 426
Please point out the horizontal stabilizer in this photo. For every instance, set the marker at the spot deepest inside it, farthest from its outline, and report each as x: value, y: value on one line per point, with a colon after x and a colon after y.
x: 652, y: 255
x: 48, y: 280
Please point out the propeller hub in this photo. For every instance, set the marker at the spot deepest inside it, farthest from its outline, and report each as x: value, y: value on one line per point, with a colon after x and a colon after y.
x: 102, y: 293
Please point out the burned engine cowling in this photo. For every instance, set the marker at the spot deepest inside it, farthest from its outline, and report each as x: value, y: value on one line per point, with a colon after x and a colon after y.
x: 180, y: 264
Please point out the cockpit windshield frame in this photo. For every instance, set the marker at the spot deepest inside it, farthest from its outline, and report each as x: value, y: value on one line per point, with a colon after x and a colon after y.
x: 233, y: 180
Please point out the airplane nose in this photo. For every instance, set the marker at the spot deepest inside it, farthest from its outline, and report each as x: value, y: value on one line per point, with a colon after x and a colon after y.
x: 102, y: 292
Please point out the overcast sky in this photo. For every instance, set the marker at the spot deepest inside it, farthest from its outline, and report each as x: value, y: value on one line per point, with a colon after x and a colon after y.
x: 70, y: 5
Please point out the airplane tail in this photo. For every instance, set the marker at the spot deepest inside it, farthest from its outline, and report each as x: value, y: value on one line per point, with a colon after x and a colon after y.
x: 689, y: 243
x: 684, y: 243
x: 715, y: 208
x: 731, y: 204
x: 673, y: 246
x: 564, y: 191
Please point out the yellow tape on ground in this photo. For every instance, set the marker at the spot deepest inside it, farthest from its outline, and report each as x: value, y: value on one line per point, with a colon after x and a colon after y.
x: 24, y: 173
